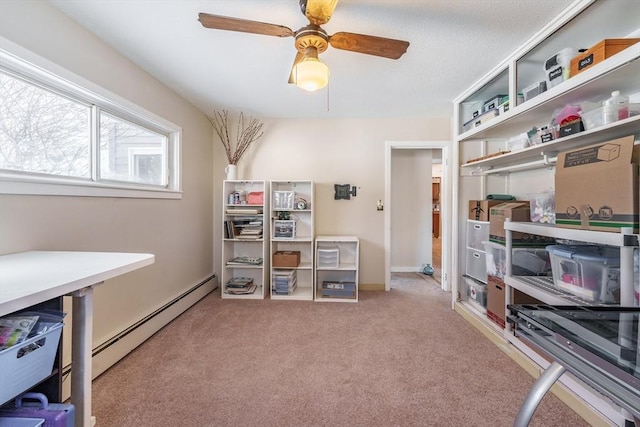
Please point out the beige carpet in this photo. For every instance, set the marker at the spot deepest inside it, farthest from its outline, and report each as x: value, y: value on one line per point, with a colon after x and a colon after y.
x: 400, y: 358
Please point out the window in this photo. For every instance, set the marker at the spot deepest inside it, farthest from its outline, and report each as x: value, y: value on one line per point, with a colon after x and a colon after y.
x: 60, y: 137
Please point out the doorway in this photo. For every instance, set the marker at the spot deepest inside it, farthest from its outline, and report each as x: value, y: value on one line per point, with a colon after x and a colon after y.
x: 420, y: 148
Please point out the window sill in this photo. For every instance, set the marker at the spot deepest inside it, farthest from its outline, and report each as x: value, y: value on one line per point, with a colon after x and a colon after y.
x: 49, y: 187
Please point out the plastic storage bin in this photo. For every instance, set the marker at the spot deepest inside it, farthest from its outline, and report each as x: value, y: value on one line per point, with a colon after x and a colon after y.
x: 543, y: 207
x: 524, y: 261
x: 590, y: 272
x: 476, y: 265
x: 21, y: 422
x: 284, y: 229
x: 476, y: 292
x: 593, y: 118
x: 557, y: 68
x: 283, y: 200
x: 26, y: 364
x: 36, y: 405
x: 477, y: 232
x: 328, y: 258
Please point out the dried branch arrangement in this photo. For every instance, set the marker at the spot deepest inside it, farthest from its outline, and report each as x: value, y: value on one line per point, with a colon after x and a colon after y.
x: 246, y: 134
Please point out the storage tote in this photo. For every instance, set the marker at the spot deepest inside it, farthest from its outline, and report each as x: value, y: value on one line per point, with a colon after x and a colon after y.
x: 20, y: 422
x: 588, y: 271
x: 36, y: 405
x: 27, y: 363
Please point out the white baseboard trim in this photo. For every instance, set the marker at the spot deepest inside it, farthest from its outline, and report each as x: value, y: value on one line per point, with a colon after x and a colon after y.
x: 406, y: 269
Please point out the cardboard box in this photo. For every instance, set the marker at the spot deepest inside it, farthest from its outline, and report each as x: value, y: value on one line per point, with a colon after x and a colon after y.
x: 598, y: 53
x: 286, y: 259
x: 516, y: 211
x: 479, y: 209
x: 496, y: 300
x: 597, y: 186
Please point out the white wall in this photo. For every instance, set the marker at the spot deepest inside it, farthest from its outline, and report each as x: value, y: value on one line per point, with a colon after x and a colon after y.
x: 411, y: 217
x: 336, y: 151
x: 178, y: 232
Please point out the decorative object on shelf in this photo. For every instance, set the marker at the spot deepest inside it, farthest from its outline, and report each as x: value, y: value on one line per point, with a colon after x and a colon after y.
x: 284, y: 215
x: 232, y: 172
x: 301, y: 204
x: 246, y: 134
x: 344, y: 191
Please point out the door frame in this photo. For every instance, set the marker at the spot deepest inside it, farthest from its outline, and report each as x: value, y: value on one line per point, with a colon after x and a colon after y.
x: 446, y: 204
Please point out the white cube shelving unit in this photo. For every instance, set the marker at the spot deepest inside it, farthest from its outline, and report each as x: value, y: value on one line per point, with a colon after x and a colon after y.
x: 336, y: 273
x: 293, y: 200
x: 245, y: 237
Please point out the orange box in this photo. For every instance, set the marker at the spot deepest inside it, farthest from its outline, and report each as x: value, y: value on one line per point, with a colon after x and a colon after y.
x: 598, y: 53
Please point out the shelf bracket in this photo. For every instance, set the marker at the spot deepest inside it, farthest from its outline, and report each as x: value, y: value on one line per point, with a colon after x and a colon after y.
x: 549, y: 158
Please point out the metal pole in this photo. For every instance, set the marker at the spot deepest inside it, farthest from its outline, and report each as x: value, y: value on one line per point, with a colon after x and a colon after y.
x: 537, y: 392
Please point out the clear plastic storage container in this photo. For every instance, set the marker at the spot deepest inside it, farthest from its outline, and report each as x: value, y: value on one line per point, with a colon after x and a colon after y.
x: 615, y: 108
x: 524, y: 261
x: 588, y: 271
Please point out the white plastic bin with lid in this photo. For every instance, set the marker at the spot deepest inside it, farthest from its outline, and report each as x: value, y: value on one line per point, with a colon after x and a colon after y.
x: 476, y: 291
x: 557, y: 67
x: 588, y: 271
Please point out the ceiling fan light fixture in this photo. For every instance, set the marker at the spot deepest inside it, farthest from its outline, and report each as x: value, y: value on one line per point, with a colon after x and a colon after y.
x: 311, y: 73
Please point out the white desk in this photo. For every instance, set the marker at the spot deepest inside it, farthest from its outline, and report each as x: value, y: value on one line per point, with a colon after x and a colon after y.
x: 29, y: 278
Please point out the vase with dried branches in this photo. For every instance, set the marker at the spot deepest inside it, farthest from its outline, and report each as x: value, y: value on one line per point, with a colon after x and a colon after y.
x: 247, y: 133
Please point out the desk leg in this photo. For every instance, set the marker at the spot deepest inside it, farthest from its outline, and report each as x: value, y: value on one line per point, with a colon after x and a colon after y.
x: 537, y: 392
x: 82, y: 341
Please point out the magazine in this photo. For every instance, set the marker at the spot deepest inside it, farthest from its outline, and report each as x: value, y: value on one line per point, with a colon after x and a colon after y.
x: 15, y: 329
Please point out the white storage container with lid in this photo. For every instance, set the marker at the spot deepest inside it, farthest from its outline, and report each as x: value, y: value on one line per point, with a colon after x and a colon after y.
x: 524, y: 261
x: 615, y: 108
x: 588, y: 271
x: 557, y: 67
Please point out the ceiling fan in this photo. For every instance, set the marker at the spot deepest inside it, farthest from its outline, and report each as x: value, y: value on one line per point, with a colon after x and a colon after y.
x: 308, y: 71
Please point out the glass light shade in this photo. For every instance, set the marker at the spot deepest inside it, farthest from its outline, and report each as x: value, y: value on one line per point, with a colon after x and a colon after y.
x: 311, y: 74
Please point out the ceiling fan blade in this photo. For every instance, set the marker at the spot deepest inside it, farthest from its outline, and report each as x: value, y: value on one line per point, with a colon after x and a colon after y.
x: 370, y: 45
x: 318, y: 12
x: 299, y: 57
x: 242, y: 25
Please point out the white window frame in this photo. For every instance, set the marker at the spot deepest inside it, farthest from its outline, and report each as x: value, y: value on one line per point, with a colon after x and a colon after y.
x: 53, y: 77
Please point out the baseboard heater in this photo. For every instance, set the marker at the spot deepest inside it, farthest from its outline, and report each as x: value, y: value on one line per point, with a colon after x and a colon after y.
x: 102, y: 347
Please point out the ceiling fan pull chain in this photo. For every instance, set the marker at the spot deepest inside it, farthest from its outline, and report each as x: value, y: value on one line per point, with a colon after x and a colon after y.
x: 328, y: 86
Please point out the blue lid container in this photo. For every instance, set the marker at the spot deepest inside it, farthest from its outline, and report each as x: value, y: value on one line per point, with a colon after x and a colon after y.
x: 587, y: 271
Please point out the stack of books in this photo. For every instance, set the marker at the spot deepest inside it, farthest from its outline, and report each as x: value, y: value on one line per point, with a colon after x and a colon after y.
x: 243, y: 228
x: 253, y: 230
x: 284, y: 282
x: 240, y: 286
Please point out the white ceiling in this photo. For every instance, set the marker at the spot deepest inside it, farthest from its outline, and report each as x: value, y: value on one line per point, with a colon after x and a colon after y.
x: 452, y: 44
